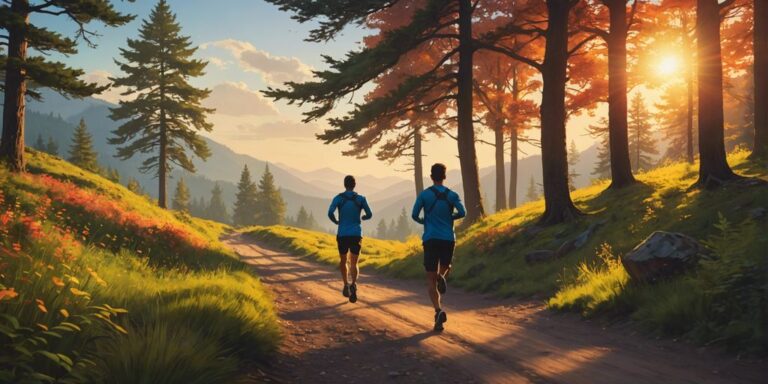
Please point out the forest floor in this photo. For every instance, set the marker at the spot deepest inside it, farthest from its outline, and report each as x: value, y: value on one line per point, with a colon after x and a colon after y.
x: 386, y: 336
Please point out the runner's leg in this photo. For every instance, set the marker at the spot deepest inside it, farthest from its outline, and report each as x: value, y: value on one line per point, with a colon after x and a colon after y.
x: 434, y: 295
x: 354, y: 270
x: 343, y: 268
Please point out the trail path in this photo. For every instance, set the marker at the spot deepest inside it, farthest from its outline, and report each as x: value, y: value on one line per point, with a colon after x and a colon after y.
x: 386, y: 336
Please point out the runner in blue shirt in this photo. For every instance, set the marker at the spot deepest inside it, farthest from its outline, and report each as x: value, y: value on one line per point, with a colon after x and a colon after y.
x: 350, y: 234
x: 441, y: 207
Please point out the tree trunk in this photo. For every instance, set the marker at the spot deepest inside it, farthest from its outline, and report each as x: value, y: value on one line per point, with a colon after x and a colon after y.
x: 554, y: 156
x: 466, y: 133
x: 688, y: 47
x: 713, y: 167
x: 760, y: 148
x: 513, y: 167
x: 418, y: 161
x: 12, y: 143
x: 501, y: 187
x: 621, y: 168
x: 162, y: 173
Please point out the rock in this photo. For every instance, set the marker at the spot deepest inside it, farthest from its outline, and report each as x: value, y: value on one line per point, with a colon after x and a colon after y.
x: 584, y: 236
x: 661, y: 255
x: 539, y: 256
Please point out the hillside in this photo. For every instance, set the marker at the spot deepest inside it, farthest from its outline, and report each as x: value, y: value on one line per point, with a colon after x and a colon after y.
x: 719, y: 303
x: 98, y: 284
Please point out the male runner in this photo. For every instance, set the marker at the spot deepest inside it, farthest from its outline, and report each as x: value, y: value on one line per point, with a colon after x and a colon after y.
x: 439, y: 204
x: 349, y: 234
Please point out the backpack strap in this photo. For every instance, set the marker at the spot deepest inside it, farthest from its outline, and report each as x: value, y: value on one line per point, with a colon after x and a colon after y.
x: 353, y: 199
x: 439, y: 196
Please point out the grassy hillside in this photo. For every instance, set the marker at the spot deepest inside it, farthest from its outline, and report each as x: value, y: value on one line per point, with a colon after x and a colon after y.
x: 723, y: 301
x: 99, y: 285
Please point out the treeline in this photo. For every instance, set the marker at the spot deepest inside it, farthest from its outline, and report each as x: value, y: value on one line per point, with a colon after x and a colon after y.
x: 399, y: 229
x: 439, y: 67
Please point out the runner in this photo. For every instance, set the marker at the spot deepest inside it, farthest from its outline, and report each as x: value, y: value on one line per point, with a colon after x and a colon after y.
x: 439, y: 204
x: 350, y: 234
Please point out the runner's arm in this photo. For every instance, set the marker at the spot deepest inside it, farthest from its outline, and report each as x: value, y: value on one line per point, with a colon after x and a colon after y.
x: 417, y: 206
x: 368, y: 214
x: 332, y: 210
x: 460, y: 211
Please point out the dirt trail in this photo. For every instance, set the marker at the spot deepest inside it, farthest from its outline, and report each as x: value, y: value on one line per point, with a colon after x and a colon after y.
x: 386, y: 336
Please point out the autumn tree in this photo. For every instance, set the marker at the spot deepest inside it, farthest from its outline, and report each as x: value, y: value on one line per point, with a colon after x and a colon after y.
x: 244, y: 212
x: 181, y: 197
x: 760, y: 49
x: 165, y: 115
x: 642, y: 145
x: 713, y: 165
x: 270, y: 206
x: 81, y: 151
x: 20, y: 36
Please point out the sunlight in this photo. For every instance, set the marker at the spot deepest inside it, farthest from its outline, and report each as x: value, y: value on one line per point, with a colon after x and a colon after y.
x: 668, y: 65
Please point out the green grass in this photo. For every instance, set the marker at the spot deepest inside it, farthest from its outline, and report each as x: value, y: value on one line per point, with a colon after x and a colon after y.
x: 98, y: 284
x: 590, y: 280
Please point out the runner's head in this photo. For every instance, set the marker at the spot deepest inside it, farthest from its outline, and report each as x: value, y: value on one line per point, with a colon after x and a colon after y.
x: 349, y: 182
x: 437, y: 174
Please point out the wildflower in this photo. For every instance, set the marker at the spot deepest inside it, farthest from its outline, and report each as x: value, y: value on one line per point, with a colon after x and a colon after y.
x: 7, y: 294
x: 57, y: 281
x: 78, y: 292
x: 16, y: 247
x: 64, y: 313
x: 41, y: 306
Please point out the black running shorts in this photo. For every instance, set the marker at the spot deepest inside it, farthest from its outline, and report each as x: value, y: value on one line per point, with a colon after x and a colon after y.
x: 349, y: 244
x: 437, y: 252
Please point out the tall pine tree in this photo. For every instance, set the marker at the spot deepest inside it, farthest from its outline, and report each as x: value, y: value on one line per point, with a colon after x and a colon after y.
x: 573, y: 159
x: 216, y: 209
x: 244, y: 212
x: 166, y: 114
x: 532, y: 192
x: 270, y: 206
x: 39, y: 143
x: 603, y: 165
x: 181, y: 197
x: 21, y: 36
x: 52, y: 147
x: 381, y: 229
x: 642, y: 145
x: 81, y: 151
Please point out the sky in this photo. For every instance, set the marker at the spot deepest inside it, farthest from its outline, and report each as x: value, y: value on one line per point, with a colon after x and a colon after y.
x: 251, y: 45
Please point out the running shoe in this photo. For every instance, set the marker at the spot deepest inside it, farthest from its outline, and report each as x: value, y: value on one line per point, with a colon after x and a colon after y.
x: 345, y: 291
x: 353, y: 293
x: 440, y: 318
x: 441, y: 284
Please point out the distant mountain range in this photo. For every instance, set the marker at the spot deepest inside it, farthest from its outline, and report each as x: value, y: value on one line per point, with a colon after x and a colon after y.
x: 56, y: 117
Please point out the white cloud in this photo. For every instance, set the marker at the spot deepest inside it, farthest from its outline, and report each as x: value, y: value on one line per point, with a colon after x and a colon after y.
x: 274, y: 69
x: 236, y: 99
x: 100, y: 77
x: 218, y: 62
x: 274, y: 130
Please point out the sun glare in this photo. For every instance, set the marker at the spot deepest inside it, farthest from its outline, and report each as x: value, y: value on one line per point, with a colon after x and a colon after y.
x: 668, y: 65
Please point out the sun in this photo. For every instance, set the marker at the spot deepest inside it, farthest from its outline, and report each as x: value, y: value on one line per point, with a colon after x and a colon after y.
x: 668, y: 65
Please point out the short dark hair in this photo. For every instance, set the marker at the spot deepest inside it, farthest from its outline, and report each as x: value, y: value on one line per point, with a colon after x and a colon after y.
x: 438, y: 172
x: 349, y: 182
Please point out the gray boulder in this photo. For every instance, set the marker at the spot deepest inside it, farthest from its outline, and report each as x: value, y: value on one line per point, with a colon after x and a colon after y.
x: 661, y: 255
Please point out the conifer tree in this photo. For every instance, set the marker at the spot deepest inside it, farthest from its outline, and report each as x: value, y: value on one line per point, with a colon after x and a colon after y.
x: 51, y: 147
x: 270, y: 206
x: 381, y: 230
x: 392, y: 230
x: 165, y: 116
x: 81, y: 151
x: 573, y: 159
x: 181, y: 197
x: 603, y: 166
x: 302, y: 218
x: 39, y: 143
x: 216, y: 209
x: 532, y: 193
x: 112, y: 174
x: 642, y: 145
x: 20, y: 37
x: 134, y: 186
x: 403, y: 228
x: 244, y: 212
x: 312, y: 222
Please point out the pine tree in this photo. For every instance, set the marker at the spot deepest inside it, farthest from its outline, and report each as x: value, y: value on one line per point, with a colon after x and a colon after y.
x: 112, y: 174
x: 81, y: 151
x: 270, y: 206
x: 181, y: 197
x: 197, y: 207
x: 381, y: 230
x: 672, y: 116
x: 392, y: 230
x: 244, y: 212
x: 312, y: 222
x: 39, y: 143
x: 302, y: 218
x: 167, y: 114
x: 642, y: 145
x: 21, y: 37
x: 216, y: 209
x: 403, y: 229
x: 603, y: 166
x: 532, y: 193
x: 573, y: 159
x: 134, y: 186
x: 51, y: 147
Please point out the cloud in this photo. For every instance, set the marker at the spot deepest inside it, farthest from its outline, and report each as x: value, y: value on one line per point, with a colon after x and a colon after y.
x: 274, y: 69
x: 101, y: 77
x: 275, y: 130
x: 218, y: 62
x: 236, y: 99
